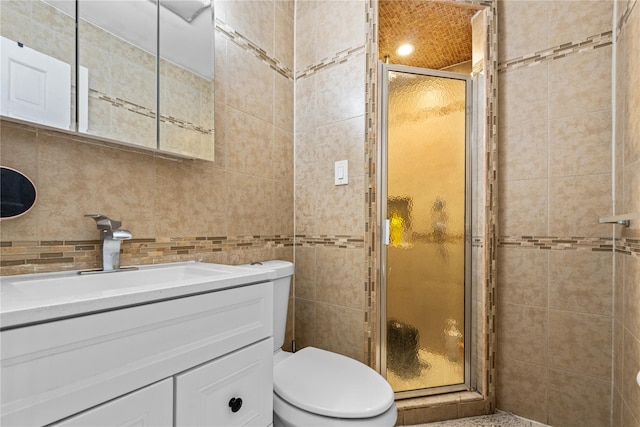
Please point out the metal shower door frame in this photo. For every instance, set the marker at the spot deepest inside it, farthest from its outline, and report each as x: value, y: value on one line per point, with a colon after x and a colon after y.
x: 382, y: 176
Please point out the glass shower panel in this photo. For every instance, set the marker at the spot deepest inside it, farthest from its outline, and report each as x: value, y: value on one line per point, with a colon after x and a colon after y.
x: 426, y: 162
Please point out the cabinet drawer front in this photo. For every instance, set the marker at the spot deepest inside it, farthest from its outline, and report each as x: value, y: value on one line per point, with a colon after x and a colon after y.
x: 204, y: 394
x: 150, y: 407
x: 53, y: 370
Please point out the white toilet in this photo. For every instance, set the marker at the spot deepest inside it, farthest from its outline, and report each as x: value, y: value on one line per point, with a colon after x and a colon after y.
x: 314, y: 387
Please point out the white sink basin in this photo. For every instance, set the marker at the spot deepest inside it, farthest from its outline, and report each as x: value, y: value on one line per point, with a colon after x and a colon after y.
x: 114, y: 283
x: 47, y: 296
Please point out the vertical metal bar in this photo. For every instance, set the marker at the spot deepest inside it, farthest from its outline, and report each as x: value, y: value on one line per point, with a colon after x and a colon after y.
x: 468, y: 240
x: 158, y: 74
x: 75, y: 126
x: 383, y: 103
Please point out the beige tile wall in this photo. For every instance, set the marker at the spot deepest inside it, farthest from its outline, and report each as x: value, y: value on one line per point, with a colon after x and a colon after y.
x: 330, y: 126
x: 236, y: 209
x: 555, y: 306
x: 626, y: 393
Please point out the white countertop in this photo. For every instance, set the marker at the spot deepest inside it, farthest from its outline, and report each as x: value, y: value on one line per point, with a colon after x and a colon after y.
x: 44, y: 297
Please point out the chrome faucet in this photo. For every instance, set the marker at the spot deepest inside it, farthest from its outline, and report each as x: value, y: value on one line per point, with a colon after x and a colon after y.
x: 111, y: 237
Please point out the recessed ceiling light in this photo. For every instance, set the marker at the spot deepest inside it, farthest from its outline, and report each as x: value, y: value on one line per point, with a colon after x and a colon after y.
x: 405, y: 49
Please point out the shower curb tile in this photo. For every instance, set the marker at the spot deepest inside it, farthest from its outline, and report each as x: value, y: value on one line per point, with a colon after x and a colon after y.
x: 430, y: 414
x: 473, y: 409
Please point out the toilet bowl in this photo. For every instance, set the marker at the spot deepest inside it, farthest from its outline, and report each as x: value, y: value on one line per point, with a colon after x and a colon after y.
x: 315, y: 387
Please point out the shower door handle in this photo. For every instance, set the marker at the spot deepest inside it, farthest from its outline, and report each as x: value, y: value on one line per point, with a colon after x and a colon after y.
x: 385, y: 232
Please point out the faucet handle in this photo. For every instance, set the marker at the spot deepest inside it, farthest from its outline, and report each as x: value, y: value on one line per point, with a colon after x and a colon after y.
x: 104, y: 222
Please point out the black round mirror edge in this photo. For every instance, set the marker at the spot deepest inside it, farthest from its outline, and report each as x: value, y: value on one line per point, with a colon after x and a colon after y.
x: 18, y: 193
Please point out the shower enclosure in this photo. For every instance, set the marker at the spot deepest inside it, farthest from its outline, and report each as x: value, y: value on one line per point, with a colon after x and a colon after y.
x: 426, y: 210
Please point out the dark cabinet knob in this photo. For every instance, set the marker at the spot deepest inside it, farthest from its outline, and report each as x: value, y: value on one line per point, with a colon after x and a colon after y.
x: 235, y: 404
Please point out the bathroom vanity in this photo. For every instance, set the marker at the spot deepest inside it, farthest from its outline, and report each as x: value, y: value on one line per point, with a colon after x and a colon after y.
x: 177, y: 344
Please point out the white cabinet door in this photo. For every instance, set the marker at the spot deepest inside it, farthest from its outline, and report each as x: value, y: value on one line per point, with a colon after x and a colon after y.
x: 151, y: 406
x: 34, y: 86
x: 234, y: 390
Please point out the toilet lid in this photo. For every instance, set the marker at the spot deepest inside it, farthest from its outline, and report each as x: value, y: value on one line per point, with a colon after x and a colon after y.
x: 330, y: 384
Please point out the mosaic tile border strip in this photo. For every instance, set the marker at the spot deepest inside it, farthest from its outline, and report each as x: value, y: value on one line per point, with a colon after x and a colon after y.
x: 371, y: 203
x: 490, y: 250
x: 623, y: 245
x: 148, y: 112
x: 592, y: 42
x: 86, y: 253
x: 622, y: 22
x: 558, y: 243
x: 342, y: 242
x: 82, y: 252
x: 254, y: 49
x: 628, y: 246
x: 339, y: 58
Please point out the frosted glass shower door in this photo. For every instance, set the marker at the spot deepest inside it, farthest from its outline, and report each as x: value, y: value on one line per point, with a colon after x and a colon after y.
x: 426, y: 209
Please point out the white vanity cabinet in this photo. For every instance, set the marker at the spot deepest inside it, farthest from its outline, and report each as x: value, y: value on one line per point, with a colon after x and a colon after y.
x: 129, y: 365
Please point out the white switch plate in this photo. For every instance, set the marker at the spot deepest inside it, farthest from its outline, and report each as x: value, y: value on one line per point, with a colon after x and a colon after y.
x: 342, y: 172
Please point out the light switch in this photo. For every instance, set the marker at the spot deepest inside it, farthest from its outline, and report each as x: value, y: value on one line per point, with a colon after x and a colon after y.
x: 342, y: 172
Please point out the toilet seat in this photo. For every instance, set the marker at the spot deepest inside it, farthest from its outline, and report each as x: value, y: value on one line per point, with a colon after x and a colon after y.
x: 331, y: 385
x: 286, y: 415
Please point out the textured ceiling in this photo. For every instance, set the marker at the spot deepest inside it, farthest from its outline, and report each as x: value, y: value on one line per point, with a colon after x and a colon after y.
x: 439, y: 31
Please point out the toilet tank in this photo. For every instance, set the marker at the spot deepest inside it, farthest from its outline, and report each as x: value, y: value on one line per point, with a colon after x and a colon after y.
x: 281, y: 285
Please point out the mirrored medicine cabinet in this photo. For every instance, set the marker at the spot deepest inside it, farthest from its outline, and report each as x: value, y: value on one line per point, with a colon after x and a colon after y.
x: 134, y: 72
